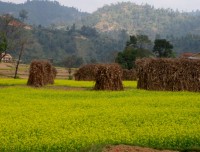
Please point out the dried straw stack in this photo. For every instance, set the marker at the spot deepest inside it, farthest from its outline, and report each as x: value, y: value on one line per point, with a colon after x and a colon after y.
x: 86, y: 72
x: 54, y: 72
x: 129, y: 75
x: 109, y: 77
x: 41, y: 73
x: 169, y: 74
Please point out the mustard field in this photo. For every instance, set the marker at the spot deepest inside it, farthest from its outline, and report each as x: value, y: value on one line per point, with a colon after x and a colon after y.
x: 70, y: 117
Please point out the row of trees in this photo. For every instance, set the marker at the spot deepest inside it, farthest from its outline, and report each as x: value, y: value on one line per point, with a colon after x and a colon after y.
x: 139, y: 46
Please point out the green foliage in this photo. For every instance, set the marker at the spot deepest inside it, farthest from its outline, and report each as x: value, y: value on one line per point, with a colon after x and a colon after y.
x: 143, y: 41
x: 144, y: 19
x: 187, y: 43
x: 135, y: 48
x: 163, y: 48
x: 127, y: 58
x: 3, y: 43
x: 85, y: 42
x: 40, y: 12
x: 23, y: 15
x: 74, y: 32
x: 133, y: 41
x: 14, y: 36
x: 59, y: 120
x: 88, y: 31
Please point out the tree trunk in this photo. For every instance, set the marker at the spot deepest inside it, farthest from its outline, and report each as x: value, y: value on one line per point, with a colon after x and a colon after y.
x: 18, y: 61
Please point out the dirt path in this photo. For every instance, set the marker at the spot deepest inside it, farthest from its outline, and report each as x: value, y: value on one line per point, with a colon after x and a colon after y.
x: 125, y: 148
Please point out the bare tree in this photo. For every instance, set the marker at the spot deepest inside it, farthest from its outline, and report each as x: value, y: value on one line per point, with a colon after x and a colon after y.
x: 21, y: 50
x: 24, y: 38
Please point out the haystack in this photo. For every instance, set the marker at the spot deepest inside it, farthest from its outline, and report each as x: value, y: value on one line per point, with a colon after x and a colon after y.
x: 41, y: 73
x: 86, y: 72
x: 169, y: 74
x: 109, y: 77
x: 130, y: 75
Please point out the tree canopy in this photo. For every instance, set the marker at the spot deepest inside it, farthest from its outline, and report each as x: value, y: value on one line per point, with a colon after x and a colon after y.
x: 163, y: 48
x: 135, y: 48
x: 3, y: 43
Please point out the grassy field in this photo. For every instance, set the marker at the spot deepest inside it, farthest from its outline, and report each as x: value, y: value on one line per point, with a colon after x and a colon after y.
x: 70, y: 116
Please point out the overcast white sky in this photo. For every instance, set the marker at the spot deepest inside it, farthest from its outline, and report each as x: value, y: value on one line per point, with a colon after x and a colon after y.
x: 92, y: 5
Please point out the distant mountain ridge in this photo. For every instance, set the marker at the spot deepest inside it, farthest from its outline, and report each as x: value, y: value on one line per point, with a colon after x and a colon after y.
x: 43, y: 12
x: 99, y: 36
x: 144, y: 19
x: 135, y: 19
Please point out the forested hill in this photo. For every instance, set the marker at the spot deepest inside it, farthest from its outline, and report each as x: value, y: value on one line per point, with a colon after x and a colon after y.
x: 135, y: 19
x: 99, y: 36
x: 144, y: 19
x: 43, y: 12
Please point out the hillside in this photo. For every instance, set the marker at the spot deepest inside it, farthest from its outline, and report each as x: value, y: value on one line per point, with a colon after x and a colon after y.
x: 43, y: 12
x: 97, y: 37
x: 144, y: 19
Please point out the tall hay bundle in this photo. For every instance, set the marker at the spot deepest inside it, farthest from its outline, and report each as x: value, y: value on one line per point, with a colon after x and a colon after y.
x: 169, y: 74
x: 54, y: 72
x: 49, y: 75
x: 36, y: 74
x: 41, y: 73
x: 86, y: 72
x: 129, y: 75
x: 109, y: 77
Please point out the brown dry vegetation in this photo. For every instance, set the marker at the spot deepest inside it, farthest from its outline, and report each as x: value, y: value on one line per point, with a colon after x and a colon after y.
x: 41, y: 73
x: 169, y: 74
x: 108, y: 77
x: 86, y: 72
x: 129, y: 74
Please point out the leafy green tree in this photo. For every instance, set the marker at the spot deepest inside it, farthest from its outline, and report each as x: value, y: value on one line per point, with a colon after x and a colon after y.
x: 143, y: 41
x: 163, y: 48
x: 23, y: 15
x: 3, y: 45
x: 6, y: 34
x: 134, y: 49
x: 132, y: 42
x: 88, y: 31
x: 127, y: 58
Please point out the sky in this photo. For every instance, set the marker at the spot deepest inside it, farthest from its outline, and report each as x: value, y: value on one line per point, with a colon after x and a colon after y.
x: 92, y: 5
